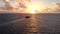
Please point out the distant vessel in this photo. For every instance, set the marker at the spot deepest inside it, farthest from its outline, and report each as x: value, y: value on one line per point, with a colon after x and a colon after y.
x: 27, y: 16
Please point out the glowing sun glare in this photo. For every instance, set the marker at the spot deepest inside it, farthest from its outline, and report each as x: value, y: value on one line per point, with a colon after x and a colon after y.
x: 32, y: 8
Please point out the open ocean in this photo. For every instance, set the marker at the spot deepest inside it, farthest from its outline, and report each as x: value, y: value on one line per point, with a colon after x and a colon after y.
x: 36, y: 24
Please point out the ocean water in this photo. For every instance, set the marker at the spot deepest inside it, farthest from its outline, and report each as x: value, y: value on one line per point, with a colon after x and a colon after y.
x: 36, y: 24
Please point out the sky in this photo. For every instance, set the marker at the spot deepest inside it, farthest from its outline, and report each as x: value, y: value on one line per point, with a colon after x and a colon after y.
x: 43, y: 4
x: 39, y: 2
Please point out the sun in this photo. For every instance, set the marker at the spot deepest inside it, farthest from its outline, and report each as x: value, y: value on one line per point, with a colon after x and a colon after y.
x: 32, y: 9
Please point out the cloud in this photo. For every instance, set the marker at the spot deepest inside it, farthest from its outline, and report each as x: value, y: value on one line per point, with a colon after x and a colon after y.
x: 16, y: 4
x: 23, y: 4
x: 7, y: 4
x: 54, y: 9
x: 56, y: 5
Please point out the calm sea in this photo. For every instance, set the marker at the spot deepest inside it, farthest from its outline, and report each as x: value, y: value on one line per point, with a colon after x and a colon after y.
x: 36, y: 24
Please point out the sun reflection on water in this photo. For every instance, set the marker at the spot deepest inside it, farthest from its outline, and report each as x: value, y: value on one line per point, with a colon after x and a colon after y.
x: 32, y: 26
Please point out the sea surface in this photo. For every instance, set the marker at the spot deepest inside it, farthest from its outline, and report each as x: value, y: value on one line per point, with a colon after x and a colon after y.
x: 36, y: 24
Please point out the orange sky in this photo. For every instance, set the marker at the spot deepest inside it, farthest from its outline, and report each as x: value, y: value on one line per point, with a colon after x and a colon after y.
x: 40, y: 4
